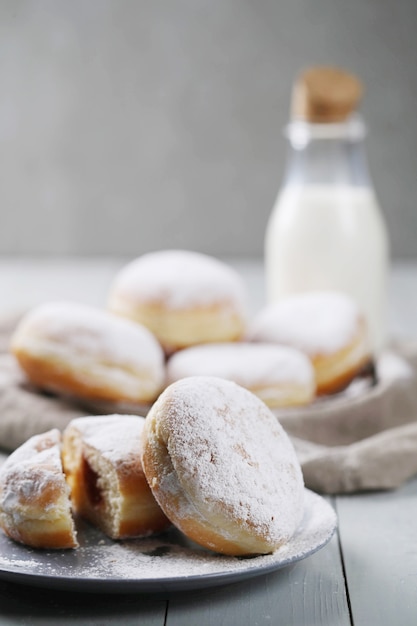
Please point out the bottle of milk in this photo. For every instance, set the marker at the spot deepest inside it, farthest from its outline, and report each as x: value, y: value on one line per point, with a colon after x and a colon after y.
x: 326, y: 230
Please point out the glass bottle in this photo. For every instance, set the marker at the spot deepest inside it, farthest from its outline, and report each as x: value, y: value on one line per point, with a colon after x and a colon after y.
x: 326, y: 230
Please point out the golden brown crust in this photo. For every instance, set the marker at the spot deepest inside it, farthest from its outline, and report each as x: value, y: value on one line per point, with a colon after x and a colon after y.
x: 287, y: 395
x: 156, y: 461
x: 178, y: 329
x: 328, y: 327
x: 183, y: 297
x: 87, y: 353
x: 41, y: 534
x: 51, y: 375
x: 334, y: 372
x: 342, y: 381
x: 280, y: 376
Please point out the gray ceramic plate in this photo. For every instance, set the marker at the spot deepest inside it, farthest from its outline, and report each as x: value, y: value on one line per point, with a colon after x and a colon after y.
x: 167, y: 562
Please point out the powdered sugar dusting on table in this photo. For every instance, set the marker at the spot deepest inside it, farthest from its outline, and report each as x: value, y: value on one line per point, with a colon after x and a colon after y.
x: 315, y: 322
x: 181, y: 279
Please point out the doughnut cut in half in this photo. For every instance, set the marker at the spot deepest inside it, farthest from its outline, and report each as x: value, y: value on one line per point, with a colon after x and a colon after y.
x: 35, y: 507
x: 102, y: 461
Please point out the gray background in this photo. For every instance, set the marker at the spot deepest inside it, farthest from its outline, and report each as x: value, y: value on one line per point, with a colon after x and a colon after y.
x: 132, y: 126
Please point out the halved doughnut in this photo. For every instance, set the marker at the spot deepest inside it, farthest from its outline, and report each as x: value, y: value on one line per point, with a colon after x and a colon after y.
x: 102, y: 461
x: 35, y: 507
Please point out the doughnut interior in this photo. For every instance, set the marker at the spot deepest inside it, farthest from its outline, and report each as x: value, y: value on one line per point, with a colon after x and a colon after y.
x: 102, y: 461
x: 221, y: 467
x: 35, y: 507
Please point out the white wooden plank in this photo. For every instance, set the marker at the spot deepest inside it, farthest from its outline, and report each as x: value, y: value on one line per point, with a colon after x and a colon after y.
x: 379, y: 544
x: 309, y: 593
x: 21, y: 605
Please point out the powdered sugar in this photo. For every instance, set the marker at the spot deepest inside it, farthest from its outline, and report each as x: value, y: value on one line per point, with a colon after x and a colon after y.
x: 316, y: 322
x: 29, y: 470
x: 84, y: 331
x: 180, y: 279
x: 231, y: 457
x: 33, y: 488
x: 247, y: 364
x: 168, y: 561
x: 116, y: 437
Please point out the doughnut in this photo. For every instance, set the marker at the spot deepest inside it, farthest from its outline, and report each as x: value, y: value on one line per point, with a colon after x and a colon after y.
x: 101, y: 459
x: 86, y: 353
x: 279, y: 375
x: 327, y: 326
x: 35, y: 506
x: 184, y: 298
x: 221, y: 467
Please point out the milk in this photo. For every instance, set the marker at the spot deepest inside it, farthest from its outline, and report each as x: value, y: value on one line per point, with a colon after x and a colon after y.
x: 330, y: 236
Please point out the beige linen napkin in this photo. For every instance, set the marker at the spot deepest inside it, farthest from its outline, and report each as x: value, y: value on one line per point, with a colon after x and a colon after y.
x: 25, y: 412
x: 363, y: 439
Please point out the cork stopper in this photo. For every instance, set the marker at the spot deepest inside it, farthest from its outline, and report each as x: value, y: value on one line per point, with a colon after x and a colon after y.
x: 325, y: 95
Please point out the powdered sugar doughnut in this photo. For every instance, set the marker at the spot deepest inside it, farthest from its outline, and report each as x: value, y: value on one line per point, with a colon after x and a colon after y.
x: 185, y: 298
x: 101, y: 458
x: 35, y: 506
x: 221, y: 467
x: 327, y: 326
x: 279, y: 375
x: 87, y: 353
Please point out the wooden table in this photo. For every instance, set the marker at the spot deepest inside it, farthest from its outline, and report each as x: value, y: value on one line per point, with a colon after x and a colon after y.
x: 366, y: 575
